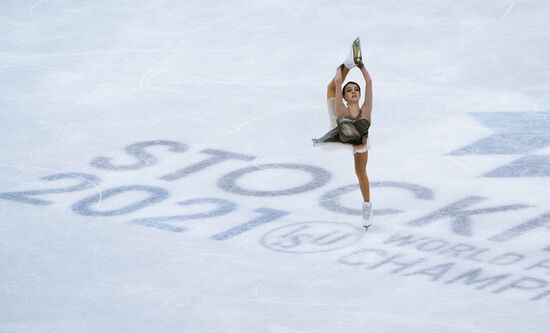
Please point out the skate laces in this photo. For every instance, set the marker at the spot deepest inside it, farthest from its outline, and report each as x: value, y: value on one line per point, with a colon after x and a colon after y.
x: 367, y: 211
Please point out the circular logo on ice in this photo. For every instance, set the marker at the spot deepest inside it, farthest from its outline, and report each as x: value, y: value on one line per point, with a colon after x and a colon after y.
x: 310, y: 237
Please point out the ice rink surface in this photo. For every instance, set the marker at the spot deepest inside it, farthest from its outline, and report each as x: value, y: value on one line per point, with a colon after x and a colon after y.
x: 157, y: 172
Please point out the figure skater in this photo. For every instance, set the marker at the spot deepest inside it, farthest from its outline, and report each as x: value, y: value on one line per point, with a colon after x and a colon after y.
x: 350, y: 123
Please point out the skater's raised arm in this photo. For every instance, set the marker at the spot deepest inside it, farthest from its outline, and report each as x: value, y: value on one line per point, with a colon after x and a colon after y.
x: 367, y: 105
x: 339, y: 106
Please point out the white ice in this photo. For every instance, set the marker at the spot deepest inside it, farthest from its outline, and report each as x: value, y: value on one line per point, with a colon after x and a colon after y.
x: 157, y: 172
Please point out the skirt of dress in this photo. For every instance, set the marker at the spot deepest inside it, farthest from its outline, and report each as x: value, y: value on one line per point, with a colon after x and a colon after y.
x: 349, y: 132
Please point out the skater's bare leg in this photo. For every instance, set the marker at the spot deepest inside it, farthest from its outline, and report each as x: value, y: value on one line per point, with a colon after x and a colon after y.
x: 331, y: 88
x: 361, y: 160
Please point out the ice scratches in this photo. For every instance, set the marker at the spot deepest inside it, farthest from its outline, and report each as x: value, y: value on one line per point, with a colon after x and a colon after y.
x: 264, y: 114
x: 463, y: 166
x: 56, y: 174
x: 544, y: 302
x: 34, y: 5
x: 508, y: 10
x: 100, y: 52
x: 415, y: 322
x: 168, y: 63
x: 29, y: 64
x: 63, y: 4
x: 154, y: 69
x: 156, y: 194
x: 94, y: 186
x: 451, y: 327
x: 271, y: 301
x: 251, y: 120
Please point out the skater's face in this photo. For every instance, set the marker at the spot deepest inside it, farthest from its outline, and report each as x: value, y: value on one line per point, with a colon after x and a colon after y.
x: 352, y: 93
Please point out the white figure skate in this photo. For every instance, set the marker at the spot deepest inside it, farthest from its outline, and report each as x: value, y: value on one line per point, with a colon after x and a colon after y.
x: 367, y: 215
x: 355, y: 57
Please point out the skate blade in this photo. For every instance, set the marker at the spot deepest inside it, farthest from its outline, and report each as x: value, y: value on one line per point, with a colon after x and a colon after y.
x: 357, y: 58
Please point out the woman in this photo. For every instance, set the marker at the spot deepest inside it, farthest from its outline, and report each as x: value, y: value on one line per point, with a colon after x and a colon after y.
x: 351, y: 122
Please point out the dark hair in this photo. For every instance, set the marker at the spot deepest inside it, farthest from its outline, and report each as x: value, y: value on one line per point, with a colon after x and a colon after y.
x: 345, y: 86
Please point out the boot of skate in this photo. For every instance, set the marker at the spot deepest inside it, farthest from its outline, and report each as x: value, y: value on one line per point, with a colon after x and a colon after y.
x: 355, y: 58
x: 367, y: 215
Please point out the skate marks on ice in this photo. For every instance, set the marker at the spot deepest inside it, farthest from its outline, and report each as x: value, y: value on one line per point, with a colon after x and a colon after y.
x: 247, y: 182
x: 123, y: 200
x: 171, y: 73
x: 408, y: 253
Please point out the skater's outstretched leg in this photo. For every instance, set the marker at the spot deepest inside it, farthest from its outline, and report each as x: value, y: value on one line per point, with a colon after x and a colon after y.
x: 354, y: 59
x: 331, y: 88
